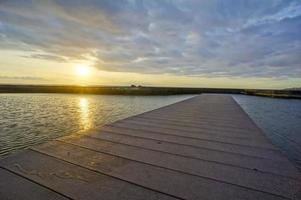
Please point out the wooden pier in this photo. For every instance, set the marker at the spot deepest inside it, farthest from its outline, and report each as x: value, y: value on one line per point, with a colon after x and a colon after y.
x: 205, y: 147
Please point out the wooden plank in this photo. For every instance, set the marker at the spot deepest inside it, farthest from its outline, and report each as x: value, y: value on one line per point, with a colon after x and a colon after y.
x: 167, y: 181
x: 232, y: 175
x: 210, y: 112
x: 74, y: 181
x: 203, y: 128
x: 202, y: 117
x: 207, y: 144
x: 276, y: 167
x: 204, y: 125
x: 197, y: 133
x: 14, y: 187
x: 188, y: 133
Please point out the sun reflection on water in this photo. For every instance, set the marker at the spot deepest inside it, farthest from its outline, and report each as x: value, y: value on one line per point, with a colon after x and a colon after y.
x: 85, y: 118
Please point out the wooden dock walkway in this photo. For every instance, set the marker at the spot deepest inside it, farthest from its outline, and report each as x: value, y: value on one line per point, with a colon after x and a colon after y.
x: 205, y: 147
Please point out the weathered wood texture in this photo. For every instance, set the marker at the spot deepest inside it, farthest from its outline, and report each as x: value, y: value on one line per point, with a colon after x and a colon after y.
x: 205, y: 147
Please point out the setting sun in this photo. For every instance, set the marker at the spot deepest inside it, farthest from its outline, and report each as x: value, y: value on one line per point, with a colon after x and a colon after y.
x: 83, y: 70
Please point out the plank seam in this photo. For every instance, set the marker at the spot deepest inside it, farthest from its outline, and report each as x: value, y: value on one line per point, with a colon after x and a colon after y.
x: 209, y: 149
x: 190, y: 124
x: 179, y: 171
x: 210, y: 161
x: 196, y: 132
x: 238, y: 136
x: 37, y: 183
x: 105, y: 174
x: 248, y: 146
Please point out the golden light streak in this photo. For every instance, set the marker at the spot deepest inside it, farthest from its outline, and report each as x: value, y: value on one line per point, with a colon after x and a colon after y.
x: 85, y: 118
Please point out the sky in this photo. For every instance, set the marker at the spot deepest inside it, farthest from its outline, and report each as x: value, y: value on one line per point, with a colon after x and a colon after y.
x: 185, y: 43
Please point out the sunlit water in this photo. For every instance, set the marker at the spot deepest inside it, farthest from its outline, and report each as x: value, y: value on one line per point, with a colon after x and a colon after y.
x: 29, y: 119
x: 280, y: 119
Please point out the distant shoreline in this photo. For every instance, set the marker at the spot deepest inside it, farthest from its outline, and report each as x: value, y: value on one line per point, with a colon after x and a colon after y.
x: 141, y: 90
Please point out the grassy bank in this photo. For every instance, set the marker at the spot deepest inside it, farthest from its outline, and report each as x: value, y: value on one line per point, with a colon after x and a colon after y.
x: 287, y: 94
x: 133, y: 90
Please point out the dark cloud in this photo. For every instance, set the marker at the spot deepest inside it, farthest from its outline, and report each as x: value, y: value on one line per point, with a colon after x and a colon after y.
x: 239, y: 38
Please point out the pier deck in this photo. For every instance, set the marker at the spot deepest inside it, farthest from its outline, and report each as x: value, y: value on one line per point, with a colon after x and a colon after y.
x: 205, y: 147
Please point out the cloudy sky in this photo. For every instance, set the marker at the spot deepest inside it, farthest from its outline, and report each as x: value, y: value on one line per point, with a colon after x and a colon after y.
x: 197, y: 43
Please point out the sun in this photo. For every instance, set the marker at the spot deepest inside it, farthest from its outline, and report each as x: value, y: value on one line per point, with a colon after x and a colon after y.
x: 83, y: 70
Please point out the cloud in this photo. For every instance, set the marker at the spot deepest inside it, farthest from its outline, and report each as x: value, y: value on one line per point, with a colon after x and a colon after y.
x: 21, y: 78
x: 47, y: 57
x: 245, y: 38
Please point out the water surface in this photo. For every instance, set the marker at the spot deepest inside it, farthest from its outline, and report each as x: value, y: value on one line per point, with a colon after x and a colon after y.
x: 280, y: 119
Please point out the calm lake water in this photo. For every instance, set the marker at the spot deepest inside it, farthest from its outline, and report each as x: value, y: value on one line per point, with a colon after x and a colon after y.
x: 280, y: 119
x: 29, y: 119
